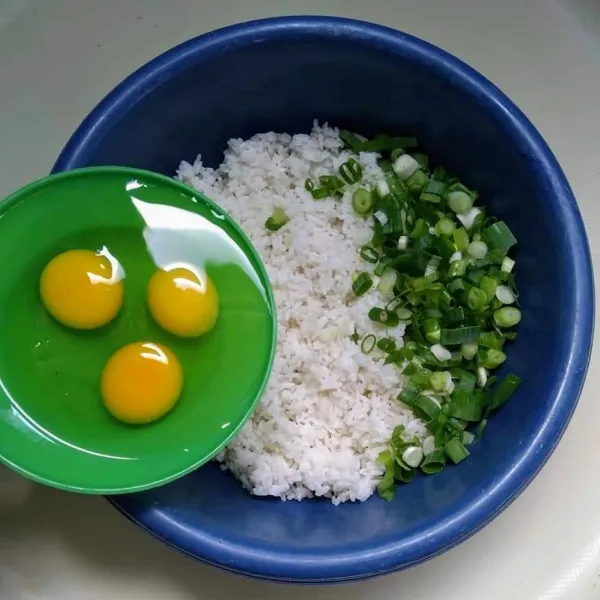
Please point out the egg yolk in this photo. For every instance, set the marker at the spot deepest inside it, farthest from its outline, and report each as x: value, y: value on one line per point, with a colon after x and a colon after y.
x: 82, y: 289
x: 183, y: 302
x: 141, y: 382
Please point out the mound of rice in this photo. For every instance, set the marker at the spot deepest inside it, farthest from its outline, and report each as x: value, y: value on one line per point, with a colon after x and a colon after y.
x: 329, y: 409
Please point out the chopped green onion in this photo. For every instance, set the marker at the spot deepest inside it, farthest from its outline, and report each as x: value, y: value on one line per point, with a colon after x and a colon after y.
x: 426, y: 408
x: 475, y: 276
x: 403, y: 242
x: 505, y: 295
x: 417, y: 181
x: 480, y: 428
x: 382, y: 188
x: 351, y: 140
x: 432, y: 265
x: 412, y: 456
x: 465, y: 406
x: 459, y: 202
x: 507, y: 265
x: 410, y: 391
x: 404, y: 314
x: 441, y: 382
x: 440, y: 174
x: 387, y: 345
x: 386, y: 488
x: 469, y: 350
x: 422, y: 159
x: 477, y: 250
x: 476, y: 299
x: 456, y: 315
x: 434, y: 462
x: 403, y: 475
x: 395, y: 153
x: 382, y: 265
x: 444, y: 227
x: 458, y: 336
x: 385, y: 317
x: 491, y: 339
x: 468, y: 438
x: 457, y: 268
x: 489, y: 285
x: 441, y: 354
x: 432, y: 330
x: 277, y: 220
x: 309, y: 185
x: 508, y: 316
x: 461, y: 239
x: 491, y: 359
x: 319, y: 193
x: 368, y: 343
x: 468, y: 219
x: 362, y: 284
x: 507, y: 387
x: 455, y: 286
x: 331, y: 182
x: 381, y: 143
x: 433, y: 191
x: 404, y: 166
x: 362, y: 200
x: 369, y: 254
x: 387, y: 281
x: 456, y: 451
x: 466, y: 380
x: 482, y: 376
x: 351, y: 171
x: 500, y: 237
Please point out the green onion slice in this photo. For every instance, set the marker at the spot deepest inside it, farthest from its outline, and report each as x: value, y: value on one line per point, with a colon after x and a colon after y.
x: 434, y: 463
x: 507, y: 387
x: 369, y: 254
x: 362, y: 284
x: 385, y: 317
x: 456, y: 451
x: 459, y: 335
x: 351, y: 171
x: 387, y: 345
x: 368, y: 343
x: 277, y: 220
x: 362, y: 200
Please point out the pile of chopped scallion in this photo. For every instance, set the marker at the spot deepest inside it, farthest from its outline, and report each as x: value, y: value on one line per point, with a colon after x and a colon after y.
x: 444, y: 265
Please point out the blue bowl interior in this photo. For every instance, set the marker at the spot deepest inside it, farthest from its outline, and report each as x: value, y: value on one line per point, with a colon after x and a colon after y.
x: 280, y: 75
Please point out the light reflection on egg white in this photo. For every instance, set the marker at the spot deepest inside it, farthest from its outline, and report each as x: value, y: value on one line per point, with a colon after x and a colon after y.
x: 117, y: 273
x: 161, y: 220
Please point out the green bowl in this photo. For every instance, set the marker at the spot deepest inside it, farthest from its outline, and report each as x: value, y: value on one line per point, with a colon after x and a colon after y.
x: 54, y: 427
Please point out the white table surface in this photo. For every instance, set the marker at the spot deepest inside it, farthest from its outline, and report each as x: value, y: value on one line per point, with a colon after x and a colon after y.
x: 59, y: 57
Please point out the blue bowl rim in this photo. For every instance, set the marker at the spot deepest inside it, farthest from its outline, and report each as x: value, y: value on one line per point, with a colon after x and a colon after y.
x: 480, y: 511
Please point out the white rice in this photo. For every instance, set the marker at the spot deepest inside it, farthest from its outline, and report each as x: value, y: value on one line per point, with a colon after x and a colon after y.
x: 329, y: 409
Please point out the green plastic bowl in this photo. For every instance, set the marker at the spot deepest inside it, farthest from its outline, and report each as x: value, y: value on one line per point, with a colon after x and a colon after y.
x: 54, y: 428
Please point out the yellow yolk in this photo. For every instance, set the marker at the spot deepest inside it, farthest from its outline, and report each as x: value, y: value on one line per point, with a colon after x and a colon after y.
x: 82, y: 289
x: 183, y: 302
x: 141, y: 382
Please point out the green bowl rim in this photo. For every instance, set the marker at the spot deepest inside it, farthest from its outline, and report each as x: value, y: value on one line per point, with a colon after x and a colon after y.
x: 13, y: 199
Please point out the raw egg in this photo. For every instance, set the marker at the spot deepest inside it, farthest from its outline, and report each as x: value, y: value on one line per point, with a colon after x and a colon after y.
x: 183, y: 301
x: 82, y: 289
x: 141, y: 382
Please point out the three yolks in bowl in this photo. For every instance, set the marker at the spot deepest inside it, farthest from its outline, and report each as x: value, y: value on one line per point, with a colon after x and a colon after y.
x: 141, y: 381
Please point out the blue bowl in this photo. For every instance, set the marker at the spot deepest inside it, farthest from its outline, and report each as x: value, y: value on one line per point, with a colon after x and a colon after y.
x: 280, y: 74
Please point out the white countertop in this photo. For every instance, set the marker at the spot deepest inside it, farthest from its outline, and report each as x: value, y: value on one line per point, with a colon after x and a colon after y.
x: 59, y: 57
